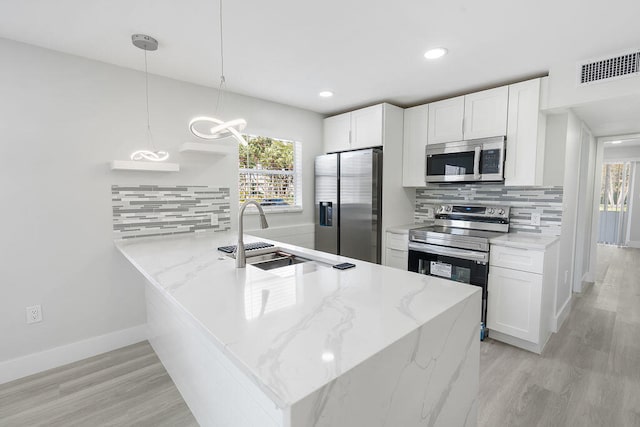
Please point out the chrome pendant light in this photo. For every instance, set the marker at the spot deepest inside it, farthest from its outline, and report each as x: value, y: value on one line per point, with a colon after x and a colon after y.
x: 147, y: 43
x: 211, y: 128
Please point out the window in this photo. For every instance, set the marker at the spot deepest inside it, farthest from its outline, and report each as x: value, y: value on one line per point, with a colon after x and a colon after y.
x: 270, y: 173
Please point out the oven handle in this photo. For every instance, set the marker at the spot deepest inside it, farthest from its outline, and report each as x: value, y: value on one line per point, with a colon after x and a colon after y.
x: 452, y: 252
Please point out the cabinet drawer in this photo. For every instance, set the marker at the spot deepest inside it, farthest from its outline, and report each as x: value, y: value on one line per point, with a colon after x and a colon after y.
x: 397, y: 241
x: 397, y: 259
x: 517, y: 259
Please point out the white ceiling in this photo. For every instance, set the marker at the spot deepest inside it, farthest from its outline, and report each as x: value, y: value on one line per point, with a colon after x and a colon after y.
x: 618, y: 116
x: 364, y: 50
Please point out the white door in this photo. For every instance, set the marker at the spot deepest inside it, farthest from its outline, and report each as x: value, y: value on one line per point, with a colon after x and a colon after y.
x: 336, y: 133
x: 485, y: 113
x: 514, y: 303
x: 414, y: 144
x: 366, y: 127
x: 445, y: 120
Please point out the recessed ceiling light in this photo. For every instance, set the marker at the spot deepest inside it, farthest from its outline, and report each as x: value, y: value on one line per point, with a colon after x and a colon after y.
x: 616, y: 142
x: 436, y: 53
x: 325, y: 94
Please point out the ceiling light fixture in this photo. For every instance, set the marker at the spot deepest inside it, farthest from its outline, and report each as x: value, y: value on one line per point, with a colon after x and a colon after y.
x: 616, y: 142
x: 147, y: 43
x: 436, y: 53
x: 325, y: 94
x: 201, y: 126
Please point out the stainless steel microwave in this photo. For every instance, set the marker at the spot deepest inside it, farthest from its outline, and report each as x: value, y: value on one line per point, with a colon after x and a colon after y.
x: 466, y: 161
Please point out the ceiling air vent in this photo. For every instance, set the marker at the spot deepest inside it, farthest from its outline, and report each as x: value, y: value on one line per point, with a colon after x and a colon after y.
x: 610, y: 68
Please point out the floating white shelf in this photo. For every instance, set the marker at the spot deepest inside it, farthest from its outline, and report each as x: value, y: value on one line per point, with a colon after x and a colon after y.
x: 132, y: 165
x: 219, y: 148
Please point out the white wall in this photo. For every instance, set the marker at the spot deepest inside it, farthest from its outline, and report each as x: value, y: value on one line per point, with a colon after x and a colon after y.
x: 584, y: 216
x: 621, y: 153
x: 554, y: 151
x: 62, y: 119
x: 564, y: 91
x: 569, y: 215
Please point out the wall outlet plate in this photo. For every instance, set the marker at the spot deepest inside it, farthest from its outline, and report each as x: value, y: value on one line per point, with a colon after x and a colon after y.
x: 34, y: 314
x: 535, y: 218
x: 214, y: 219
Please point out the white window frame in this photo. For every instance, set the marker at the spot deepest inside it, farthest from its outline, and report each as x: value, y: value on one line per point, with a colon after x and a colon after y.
x: 297, y: 180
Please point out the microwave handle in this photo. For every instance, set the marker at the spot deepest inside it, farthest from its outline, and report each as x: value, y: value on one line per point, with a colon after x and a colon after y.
x: 476, y: 163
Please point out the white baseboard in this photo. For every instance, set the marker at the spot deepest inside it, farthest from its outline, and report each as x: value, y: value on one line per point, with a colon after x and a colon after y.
x: 559, y: 318
x: 37, y: 362
x: 633, y: 244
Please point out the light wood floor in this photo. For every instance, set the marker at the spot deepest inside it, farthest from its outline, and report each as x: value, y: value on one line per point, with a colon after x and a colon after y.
x: 588, y: 375
x: 125, y: 387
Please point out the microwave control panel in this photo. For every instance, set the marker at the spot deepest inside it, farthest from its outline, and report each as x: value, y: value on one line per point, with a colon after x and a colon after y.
x: 490, y: 161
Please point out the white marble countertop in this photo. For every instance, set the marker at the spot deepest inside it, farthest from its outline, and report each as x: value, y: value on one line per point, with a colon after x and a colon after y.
x: 404, y: 229
x: 525, y: 241
x: 294, y: 329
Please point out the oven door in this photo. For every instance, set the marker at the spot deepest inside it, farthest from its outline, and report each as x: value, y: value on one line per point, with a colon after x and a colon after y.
x: 461, y: 265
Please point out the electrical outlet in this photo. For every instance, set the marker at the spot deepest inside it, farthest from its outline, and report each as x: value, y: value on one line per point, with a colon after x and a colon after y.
x: 214, y: 219
x: 34, y: 314
x: 566, y: 276
x: 535, y: 218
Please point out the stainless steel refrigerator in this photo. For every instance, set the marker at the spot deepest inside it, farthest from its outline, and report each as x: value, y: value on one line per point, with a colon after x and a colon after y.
x: 348, y: 204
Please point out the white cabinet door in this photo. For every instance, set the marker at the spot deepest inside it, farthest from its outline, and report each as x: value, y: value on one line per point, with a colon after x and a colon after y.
x: 485, y: 113
x: 366, y: 127
x: 397, y: 259
x: 525, y: 135
x: 414, y: 143
x: 514, y: 303
x: 445, y: 120
x: 336, y: 133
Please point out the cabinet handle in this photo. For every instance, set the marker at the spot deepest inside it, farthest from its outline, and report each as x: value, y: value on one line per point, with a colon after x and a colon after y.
x: 349, y: 137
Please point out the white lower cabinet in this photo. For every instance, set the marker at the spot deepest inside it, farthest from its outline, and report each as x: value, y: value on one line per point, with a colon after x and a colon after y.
x: 513, y: 305
x: 397, y: 250
x: 521, y: 290
x: 397, y: 259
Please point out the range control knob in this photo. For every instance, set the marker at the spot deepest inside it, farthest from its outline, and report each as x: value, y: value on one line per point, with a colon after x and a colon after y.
x: 490, y: 211
x: 500, y: 211
x: 448, y: 208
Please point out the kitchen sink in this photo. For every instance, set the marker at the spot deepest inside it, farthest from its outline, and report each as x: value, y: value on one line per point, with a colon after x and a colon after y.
x: 273, y: 260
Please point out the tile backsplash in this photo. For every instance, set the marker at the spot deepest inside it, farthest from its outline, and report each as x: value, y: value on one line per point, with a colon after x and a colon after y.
x: 153, y: 210
x: 523, y: 202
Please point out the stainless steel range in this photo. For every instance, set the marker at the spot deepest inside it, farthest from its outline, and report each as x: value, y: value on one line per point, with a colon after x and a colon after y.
x: 457, y: 246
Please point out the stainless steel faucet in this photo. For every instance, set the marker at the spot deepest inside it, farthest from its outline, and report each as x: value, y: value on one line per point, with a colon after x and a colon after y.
x: 241, y: 258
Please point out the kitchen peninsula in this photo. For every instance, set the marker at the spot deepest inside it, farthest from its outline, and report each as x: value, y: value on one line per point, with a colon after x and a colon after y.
x: 307, y: 344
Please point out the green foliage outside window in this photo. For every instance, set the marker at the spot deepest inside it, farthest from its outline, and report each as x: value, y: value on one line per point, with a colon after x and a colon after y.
x: 267, y: 171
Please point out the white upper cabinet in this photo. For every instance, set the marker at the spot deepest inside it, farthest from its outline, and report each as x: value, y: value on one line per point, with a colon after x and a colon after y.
x: 357, y: 129
x: 366, y: 127
x: 445, y: 120
x: 337, y: 133
x: 477, y: 115
x: 485, y: 113
x: 526, y: 126
x: 414, y: 144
